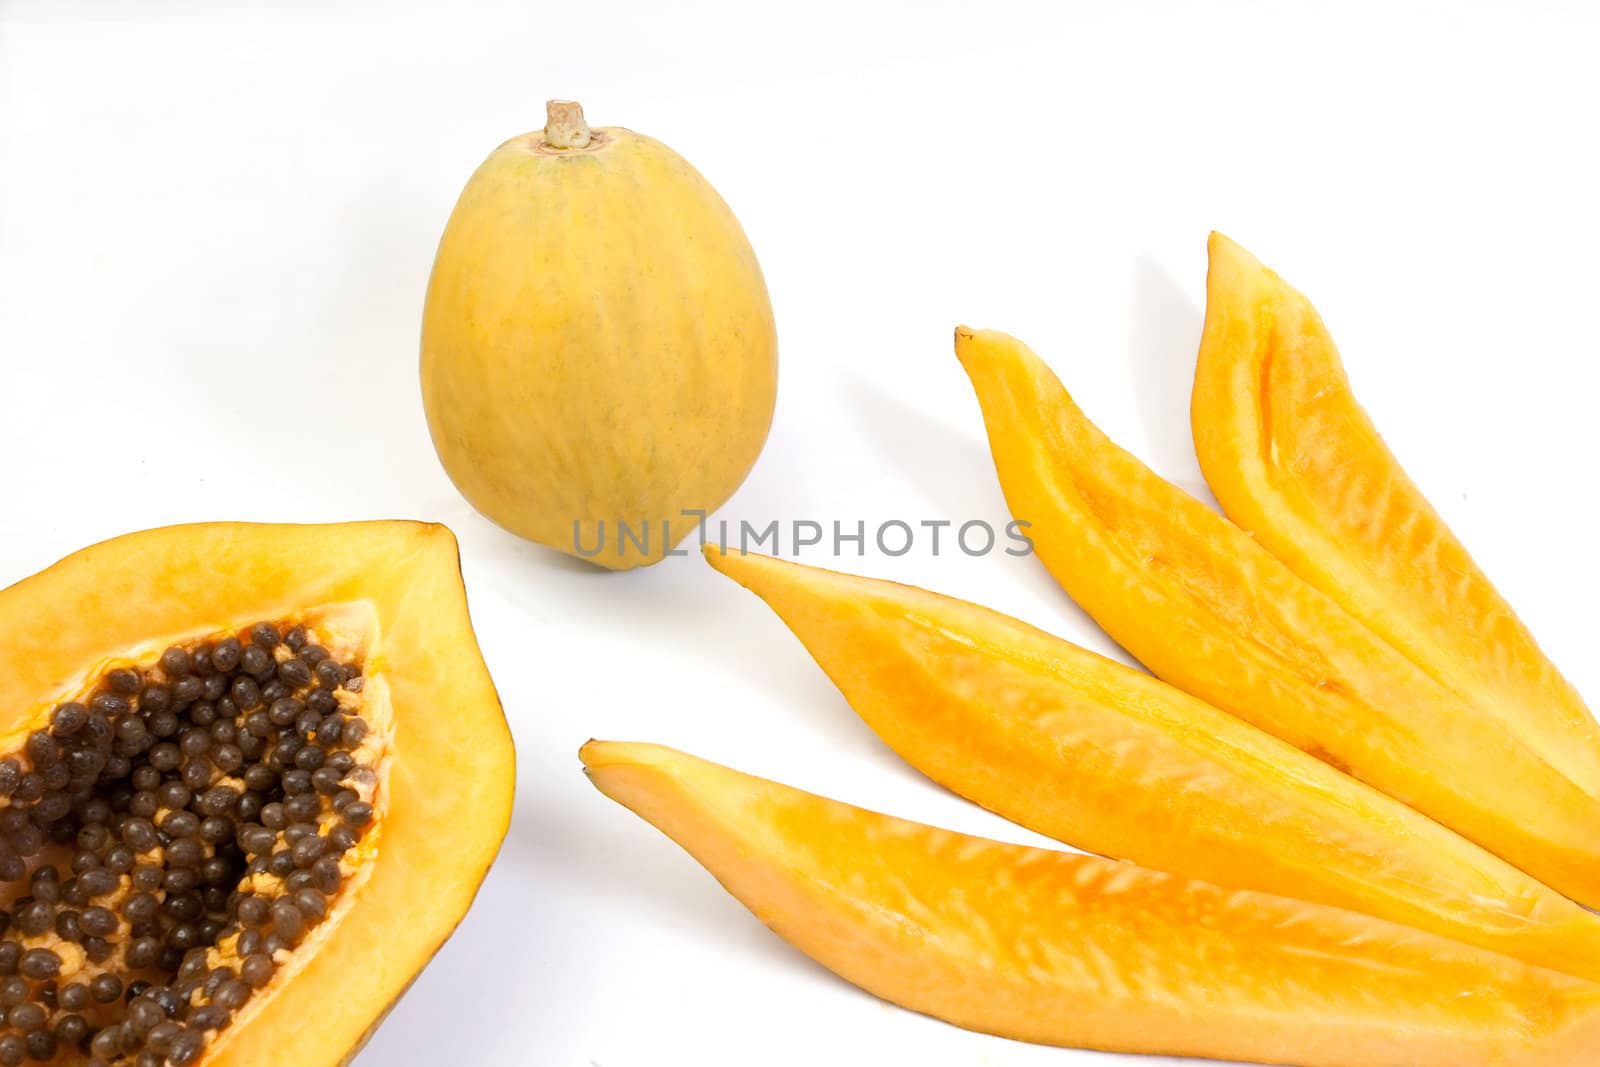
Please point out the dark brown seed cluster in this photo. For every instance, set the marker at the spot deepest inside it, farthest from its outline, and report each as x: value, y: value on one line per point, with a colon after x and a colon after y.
x: 170, y: 840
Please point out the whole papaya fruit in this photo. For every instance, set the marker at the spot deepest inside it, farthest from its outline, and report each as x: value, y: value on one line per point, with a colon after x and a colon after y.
x: 599, y: 358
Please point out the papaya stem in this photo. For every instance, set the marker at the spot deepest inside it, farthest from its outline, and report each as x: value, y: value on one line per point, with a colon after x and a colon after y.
x: 564, y: 125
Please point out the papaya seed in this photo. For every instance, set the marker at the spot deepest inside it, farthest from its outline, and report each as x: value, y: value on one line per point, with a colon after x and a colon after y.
x: 168, y: 785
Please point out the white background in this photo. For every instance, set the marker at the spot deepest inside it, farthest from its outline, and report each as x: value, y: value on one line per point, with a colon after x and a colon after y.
x: 216, y: 227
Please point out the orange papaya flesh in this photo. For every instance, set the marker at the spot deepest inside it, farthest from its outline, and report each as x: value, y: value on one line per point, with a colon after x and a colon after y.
x: 1294, y: 458
x: 1109, y: 759
x: 306, y: 868
x: 1081, y: 951
x: 1207, y: 609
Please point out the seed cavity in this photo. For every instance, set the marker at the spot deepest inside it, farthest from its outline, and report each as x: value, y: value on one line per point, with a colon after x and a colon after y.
x: 170, y: 838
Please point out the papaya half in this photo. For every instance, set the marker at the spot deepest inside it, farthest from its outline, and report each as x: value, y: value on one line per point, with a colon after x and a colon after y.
x: 1081, y: 951
x: 1206, y: 608
x: 1293, y: 458
x: 599, y: 357
x: 1111, y: 760
x: 251, y: 777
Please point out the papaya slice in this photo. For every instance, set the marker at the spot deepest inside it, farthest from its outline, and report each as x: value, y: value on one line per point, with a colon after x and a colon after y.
x: 1109, y: 759
x: 1081, y: 951
x: 252, y: 777
x: 1294, y: 459
x: 1207, y: 609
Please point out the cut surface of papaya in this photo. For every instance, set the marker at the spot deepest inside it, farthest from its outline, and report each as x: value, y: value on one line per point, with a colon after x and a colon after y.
x: 1081, y: 951
x: 1294, y: 458
x: 1206, y: 608
x: 1109, y: 759
x: 253, y: 776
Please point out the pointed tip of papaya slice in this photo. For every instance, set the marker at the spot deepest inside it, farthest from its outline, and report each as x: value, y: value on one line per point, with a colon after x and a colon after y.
x: 791, y: 589
x: 774, y: 580
x: 1002, y: 369
x: 670, y: 789
x: 1236, y: 280
x: 726, y: 560
x: 747, y: 568
x: 964, y: 339
x: 1233, y: 271
x: 742, y: 567
x: 597, y: 755
x: 1219, y: 245
x: 975, y: 346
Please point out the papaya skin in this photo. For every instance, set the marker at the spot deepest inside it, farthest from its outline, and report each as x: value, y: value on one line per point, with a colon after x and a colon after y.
x: 1111, y: 760
x: 1080, y: 951
x: 1207, y: 609
x: 598, y: 346
x: 1293, y: 458
x: 395, y: 589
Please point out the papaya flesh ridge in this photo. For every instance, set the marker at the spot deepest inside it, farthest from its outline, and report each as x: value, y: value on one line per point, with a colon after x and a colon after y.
x: 1111, y: 760
x: 1209, y: 610
x: 1081, y: 951
x: 1293, y: 458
